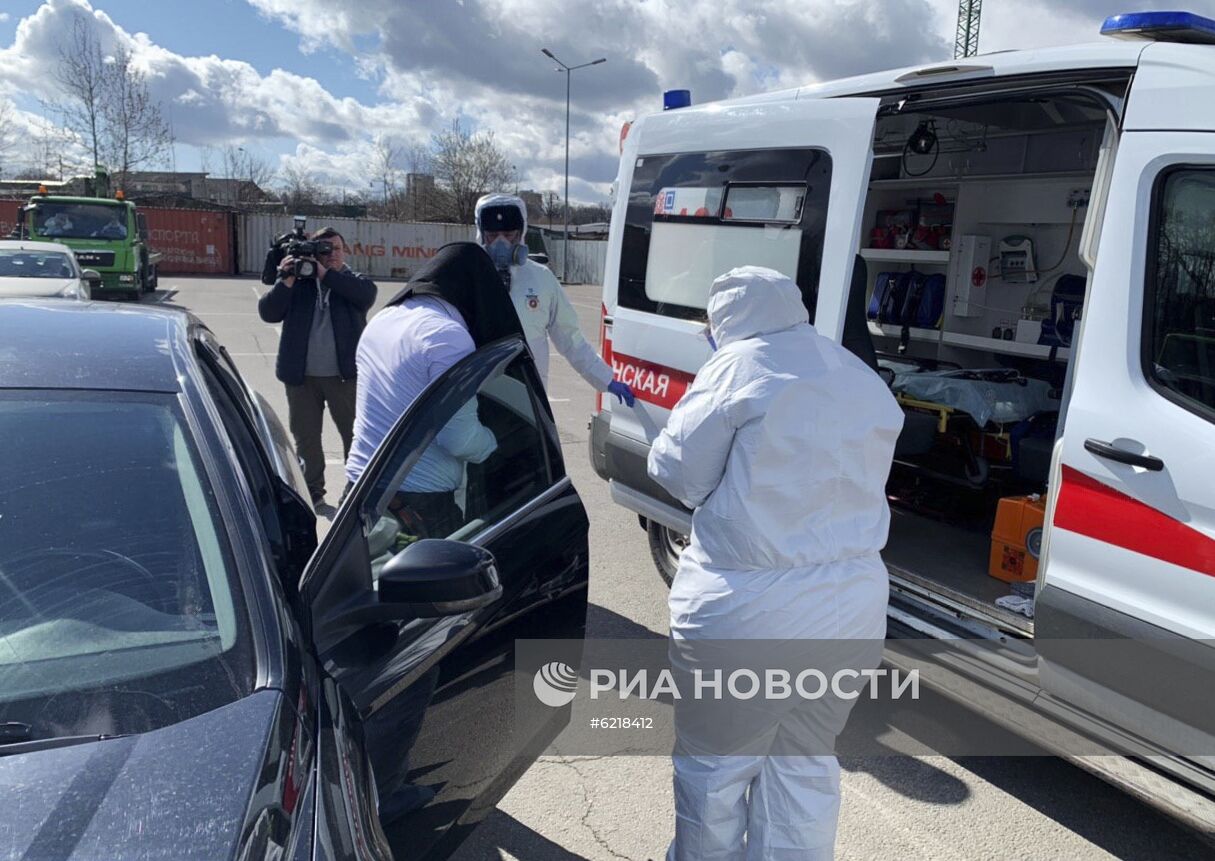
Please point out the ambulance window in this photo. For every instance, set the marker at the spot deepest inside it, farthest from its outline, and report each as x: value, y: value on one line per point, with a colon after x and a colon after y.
x: 775, y: 204
x: 693, y: 216
x: 1179, y: 324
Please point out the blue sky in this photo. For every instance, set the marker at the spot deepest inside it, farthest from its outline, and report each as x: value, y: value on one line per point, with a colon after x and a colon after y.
x: 312, y: 83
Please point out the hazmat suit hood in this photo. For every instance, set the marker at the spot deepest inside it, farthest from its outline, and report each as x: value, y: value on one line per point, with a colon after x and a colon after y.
x: 462, y: 274
x: 501, y: 200
x: 750, y: 301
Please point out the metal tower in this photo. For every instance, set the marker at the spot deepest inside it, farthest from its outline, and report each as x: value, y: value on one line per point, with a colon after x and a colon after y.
x: 966, y: 44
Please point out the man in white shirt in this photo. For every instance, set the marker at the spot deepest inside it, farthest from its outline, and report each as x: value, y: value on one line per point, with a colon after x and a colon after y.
x: 452, y: 307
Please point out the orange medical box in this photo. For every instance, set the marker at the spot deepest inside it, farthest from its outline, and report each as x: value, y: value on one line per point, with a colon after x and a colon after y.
x: 1016, y: 540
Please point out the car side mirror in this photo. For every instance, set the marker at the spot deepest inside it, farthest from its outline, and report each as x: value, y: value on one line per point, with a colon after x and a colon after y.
x: 435, y: 577
x: 92, y: 276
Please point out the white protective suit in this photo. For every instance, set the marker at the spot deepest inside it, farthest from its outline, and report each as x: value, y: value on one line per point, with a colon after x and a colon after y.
x: 545, y: 311
x: 782, y: 446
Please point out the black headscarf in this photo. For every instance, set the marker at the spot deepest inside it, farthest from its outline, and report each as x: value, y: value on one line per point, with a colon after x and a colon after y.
x: 462, y: 273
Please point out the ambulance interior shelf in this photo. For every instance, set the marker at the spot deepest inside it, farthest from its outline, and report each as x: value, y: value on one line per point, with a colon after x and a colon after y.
x: 1014, y: 173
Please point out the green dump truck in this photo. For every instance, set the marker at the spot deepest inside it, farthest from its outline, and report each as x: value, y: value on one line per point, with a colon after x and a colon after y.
x: 108, y: 235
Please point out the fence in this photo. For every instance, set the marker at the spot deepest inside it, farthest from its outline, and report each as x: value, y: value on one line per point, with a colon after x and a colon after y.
x: 588, y: 258
x: 380, y: 249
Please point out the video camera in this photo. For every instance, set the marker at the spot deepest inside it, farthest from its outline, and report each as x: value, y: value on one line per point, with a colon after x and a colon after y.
x: 295, y: 243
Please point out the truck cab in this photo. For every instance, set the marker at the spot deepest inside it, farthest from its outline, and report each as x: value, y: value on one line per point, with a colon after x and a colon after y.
x: 1020, y: 244
x: 107, y: 235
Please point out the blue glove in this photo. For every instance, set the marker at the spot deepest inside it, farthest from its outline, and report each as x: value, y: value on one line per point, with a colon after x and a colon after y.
x: 621, y: 391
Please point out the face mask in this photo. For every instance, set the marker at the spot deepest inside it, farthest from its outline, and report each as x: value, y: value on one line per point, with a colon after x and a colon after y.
x: 501, y: 252
x: 505, y: 253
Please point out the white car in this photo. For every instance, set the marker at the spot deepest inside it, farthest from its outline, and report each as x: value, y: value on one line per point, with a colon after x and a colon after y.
x: 41, y: 270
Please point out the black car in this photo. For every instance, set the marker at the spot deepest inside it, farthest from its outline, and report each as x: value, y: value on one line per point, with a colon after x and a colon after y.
x: 185, y: 674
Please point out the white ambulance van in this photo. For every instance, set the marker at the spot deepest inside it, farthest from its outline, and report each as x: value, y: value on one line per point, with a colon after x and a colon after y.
x: 1023, y: 245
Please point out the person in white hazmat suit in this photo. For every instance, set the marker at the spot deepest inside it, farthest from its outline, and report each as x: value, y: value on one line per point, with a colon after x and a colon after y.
x: 781, y: 446
x: 543, y: 308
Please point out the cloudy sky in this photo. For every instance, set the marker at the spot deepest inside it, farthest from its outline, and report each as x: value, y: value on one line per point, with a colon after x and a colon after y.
x: 313, y: 81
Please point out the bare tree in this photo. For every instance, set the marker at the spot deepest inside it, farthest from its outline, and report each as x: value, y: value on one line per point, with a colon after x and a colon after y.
x: 136, y: 133
x: 300, y: 187
x: 551, y: 206
x: 419, y: 159
x: 106, y: 103
x: 243, y: 165
x: 468, y: 165
x: 50, y: 152
x: 590, y: 213
x: 81, y: 76
x: 386, y: 169
x: 8, y: 131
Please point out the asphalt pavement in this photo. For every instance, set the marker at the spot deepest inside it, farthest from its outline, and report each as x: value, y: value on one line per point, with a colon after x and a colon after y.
x: 568, y: 808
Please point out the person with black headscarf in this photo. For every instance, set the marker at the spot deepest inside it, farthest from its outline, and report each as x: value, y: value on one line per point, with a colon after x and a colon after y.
x: 454, y: 305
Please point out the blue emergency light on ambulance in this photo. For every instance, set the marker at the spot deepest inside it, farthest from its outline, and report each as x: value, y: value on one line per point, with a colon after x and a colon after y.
x: 1161, y: 27
x: 672, y: 99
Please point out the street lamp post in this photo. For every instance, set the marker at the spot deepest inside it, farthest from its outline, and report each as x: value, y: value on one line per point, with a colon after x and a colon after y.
x: 565, y: 242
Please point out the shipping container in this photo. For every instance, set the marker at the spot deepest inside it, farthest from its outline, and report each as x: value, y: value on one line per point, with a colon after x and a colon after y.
x: 381, y: 249
x: 192, y: 241
x: 8, y: 216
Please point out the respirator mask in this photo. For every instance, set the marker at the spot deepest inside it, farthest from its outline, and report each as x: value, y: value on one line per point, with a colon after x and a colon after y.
x: 505, y: 253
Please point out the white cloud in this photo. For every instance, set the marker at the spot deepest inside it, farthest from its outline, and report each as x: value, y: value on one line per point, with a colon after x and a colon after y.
x: 210, y: 100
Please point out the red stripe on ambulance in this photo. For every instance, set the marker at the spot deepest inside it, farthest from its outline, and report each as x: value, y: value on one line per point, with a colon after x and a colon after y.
x: 655, y: 384
x: 1096, y: 510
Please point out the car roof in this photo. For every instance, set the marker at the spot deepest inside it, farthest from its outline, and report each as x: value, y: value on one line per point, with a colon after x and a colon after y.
x: 32, y: 245
x: 52, y: 344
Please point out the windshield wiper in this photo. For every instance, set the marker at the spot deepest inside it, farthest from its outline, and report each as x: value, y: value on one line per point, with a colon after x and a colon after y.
x: 15, y: 738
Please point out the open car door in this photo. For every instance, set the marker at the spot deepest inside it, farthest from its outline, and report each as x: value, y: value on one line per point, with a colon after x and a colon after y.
x: 1125, y: 613
x: 463, y: 535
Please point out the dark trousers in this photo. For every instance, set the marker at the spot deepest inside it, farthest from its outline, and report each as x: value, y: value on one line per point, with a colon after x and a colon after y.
x: 305, y: 414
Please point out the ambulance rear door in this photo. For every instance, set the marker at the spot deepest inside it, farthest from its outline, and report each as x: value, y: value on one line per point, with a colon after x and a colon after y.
x: 702, y: 190
x: 1125, y: 611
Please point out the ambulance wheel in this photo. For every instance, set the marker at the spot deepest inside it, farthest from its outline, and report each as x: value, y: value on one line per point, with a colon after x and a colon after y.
x: 665, y: 547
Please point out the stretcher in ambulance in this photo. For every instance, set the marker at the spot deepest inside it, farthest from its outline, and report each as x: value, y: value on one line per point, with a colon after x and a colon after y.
x: 1023, y: 246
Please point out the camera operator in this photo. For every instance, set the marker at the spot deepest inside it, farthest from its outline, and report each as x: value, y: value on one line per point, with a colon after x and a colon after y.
x: 323, y: 306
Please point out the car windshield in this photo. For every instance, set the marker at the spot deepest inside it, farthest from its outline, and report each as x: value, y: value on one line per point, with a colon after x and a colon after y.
x: 35, y: 264
x: 119, y: 608
x: 81, y: 220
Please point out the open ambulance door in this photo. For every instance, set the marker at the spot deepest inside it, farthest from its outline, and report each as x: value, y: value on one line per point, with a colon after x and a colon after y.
x: 705, y: 189
x: 1125, y: 609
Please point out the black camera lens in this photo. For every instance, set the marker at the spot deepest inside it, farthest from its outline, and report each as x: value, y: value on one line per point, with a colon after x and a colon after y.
x: 305, y: 269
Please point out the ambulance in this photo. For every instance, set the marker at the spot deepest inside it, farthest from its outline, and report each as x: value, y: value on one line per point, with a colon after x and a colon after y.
x: 1023, y: 245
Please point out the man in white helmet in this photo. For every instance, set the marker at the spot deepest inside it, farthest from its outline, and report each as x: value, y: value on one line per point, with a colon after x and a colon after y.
x: 543, y: 308
x: 781, y: 446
